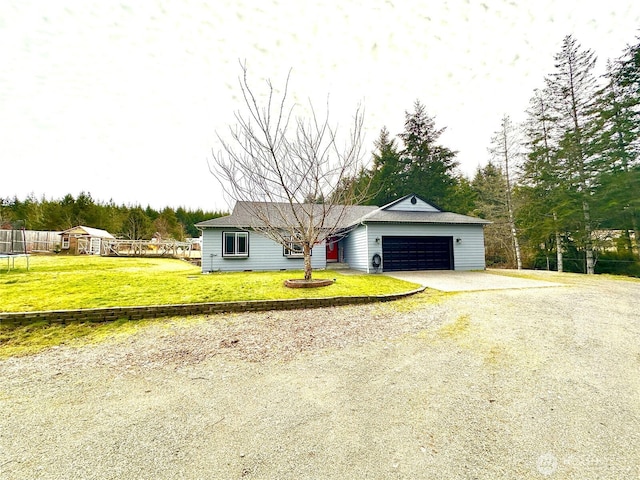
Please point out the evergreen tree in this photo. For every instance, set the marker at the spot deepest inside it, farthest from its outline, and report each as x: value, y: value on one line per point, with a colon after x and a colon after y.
x: 85, y: 211
x: 420, y: 166
x: 427, y: 168
x: 120, y: 220
x: 384, y: 180
x: 617, y: 131
x: 542, y: 193
x: 573, y: 87
x: 490, y: 203
x: 463, y: 197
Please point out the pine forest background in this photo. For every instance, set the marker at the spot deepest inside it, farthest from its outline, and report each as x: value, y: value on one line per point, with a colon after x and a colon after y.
x: 131, y: 222
x: 562, y: 188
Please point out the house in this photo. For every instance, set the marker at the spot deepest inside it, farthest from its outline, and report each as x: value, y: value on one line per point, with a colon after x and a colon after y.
x: 84, y: 240
x: 407, y: 234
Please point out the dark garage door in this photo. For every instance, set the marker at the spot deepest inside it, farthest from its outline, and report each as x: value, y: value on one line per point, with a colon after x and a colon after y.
x: 417, y: 253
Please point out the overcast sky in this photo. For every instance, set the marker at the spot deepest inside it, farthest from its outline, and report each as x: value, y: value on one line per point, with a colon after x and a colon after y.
x: 123, y: 99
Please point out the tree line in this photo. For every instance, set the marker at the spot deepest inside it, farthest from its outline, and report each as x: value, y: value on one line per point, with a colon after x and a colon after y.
x: 562, y: 189
x: 126, y: 221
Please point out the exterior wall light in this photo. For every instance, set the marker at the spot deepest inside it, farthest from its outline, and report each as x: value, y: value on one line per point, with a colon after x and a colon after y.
x: 377, y: 239
x: 458, y: 240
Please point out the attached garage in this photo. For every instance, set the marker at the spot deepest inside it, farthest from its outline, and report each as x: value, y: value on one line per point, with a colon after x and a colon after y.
x: 407, y: 234
x: 411, y: 234
x: 417, y: 253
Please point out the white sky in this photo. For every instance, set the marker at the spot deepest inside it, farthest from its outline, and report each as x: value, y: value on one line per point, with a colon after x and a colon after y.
x: 122, y: 99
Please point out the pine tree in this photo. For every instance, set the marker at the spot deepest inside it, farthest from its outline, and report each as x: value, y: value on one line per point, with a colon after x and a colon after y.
x: 488, y: 185
x: 542, y: 193
x: 573, y: 88
x: 617, y: 131
x: 384, y: 180
x: 427, y: 168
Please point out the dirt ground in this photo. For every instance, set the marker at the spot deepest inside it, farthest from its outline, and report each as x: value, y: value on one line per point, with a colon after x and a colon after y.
x: 516, y: 383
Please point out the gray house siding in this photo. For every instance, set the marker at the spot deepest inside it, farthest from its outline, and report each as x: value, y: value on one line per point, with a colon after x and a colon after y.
x: 468, y: 254
x: 356, y: 252
x: 264, y: 254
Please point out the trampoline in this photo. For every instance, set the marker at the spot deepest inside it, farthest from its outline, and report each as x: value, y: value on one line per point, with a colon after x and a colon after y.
x: 10, y: 249
x: 11, y: 259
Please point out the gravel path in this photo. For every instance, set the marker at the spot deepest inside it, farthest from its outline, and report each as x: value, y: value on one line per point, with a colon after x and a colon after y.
x: 527, y: 383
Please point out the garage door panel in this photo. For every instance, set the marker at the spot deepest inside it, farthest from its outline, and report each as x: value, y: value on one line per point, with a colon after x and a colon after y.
x: 417, y: 253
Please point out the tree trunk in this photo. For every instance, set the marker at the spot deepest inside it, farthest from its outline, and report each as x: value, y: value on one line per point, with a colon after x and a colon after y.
x: 560, y: 267
x: 306, y: 250
x: 514, y: 237
x: 507, y: 176
x: 588, y: 246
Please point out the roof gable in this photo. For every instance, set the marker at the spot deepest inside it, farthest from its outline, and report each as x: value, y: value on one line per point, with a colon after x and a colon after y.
x: 413, y: 209
x: 92, y: 232
x: 410, y: 203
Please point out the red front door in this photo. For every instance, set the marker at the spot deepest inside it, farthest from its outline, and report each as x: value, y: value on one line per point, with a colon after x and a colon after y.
x: 332, y: 250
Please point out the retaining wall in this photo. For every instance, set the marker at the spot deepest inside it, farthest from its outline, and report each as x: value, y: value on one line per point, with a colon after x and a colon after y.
x: 157, y: 311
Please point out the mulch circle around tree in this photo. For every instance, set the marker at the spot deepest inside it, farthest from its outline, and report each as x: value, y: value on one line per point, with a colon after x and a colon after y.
x: 301, y: 283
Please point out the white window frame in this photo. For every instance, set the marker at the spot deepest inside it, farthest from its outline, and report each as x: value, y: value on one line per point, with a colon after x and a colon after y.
x: 236, y: 243
x: 293, y: 249
x: 65, y: 242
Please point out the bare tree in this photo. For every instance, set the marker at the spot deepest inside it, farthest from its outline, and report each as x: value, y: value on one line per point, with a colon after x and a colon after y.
x: 292, y: 174
x: 505, y: 149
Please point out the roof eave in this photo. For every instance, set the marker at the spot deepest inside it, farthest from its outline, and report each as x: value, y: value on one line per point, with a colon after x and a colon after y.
x: 427, y: 222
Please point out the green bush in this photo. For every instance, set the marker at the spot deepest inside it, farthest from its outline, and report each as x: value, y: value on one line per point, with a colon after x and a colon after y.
x: 618, y: 263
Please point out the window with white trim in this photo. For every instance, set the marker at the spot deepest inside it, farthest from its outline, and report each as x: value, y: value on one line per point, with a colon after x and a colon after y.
x: 65, y: 242
x: 235, y: 244
x: 293, y: 249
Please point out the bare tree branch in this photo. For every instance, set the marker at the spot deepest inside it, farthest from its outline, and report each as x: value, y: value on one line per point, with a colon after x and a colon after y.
x: 289, y: 172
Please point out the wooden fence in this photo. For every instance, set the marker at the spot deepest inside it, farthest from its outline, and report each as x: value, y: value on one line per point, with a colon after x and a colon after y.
x: 14, y: 241
x: 149, y: 248
x: 28, y: 241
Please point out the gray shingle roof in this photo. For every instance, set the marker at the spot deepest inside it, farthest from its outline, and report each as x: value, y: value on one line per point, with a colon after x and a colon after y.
x: 395, y: 216
x: 280, y: 214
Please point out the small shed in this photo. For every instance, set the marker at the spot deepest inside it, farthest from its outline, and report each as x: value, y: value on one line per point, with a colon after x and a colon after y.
x: 83, y: 240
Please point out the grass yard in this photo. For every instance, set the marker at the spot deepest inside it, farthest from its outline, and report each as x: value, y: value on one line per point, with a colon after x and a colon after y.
x: 55, y: 283
x: 33, y: 338
x: 66, y: 282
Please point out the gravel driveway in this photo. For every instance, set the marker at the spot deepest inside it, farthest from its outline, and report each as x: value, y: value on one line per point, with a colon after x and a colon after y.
x: 514, y: 383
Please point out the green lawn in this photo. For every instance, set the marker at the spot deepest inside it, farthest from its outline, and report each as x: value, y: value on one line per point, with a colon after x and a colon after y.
x: 60, y: 282
x: 66, y: 282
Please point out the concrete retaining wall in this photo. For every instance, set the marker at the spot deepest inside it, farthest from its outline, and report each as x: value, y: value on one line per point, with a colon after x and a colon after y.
x: 157, y: 311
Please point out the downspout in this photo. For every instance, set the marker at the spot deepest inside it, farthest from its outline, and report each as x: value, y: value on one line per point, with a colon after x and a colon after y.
x: 366, y: 231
